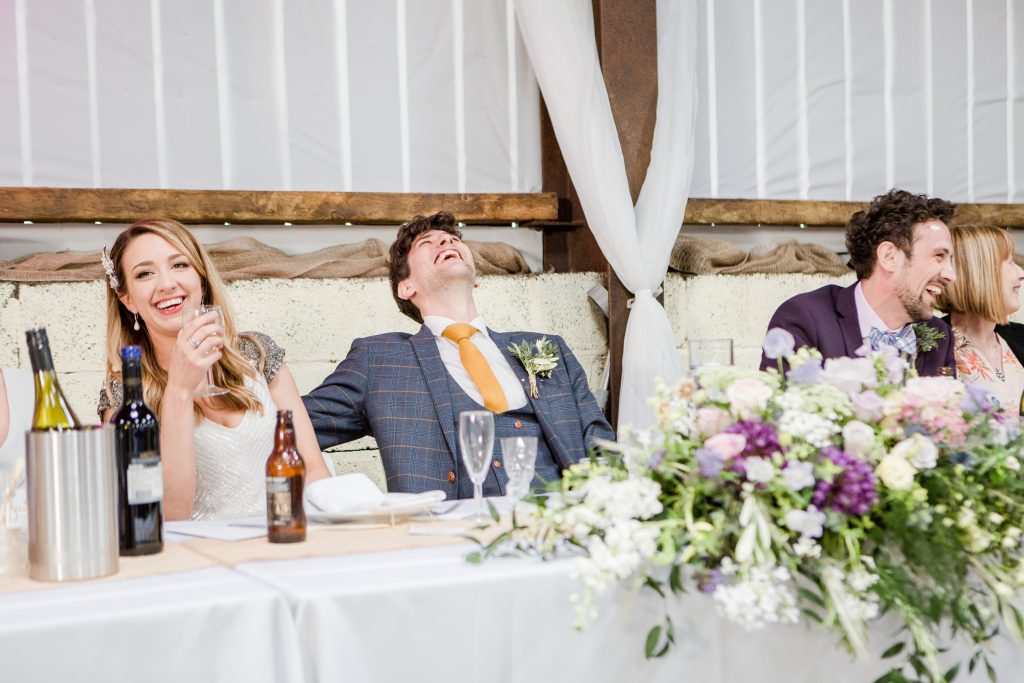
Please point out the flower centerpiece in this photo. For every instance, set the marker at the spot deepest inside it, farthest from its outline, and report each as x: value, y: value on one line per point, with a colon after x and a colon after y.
x: 832, y: 491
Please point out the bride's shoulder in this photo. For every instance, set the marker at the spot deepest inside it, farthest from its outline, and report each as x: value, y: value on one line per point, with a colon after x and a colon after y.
x: 262, y: 351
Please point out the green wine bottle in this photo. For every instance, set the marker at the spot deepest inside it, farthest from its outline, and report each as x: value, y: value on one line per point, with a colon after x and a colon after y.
x: 53, y: 412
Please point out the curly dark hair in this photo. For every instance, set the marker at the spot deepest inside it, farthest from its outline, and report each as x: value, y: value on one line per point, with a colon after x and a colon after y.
x: 890, y: 217
x: 398, y: 266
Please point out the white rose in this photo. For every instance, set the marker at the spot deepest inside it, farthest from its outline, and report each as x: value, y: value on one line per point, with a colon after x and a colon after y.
x: 896, y: 473
x: 759, y: 470
x: 798, y: 475
x: 932, y: 390
x: 849, y: 374
x: 809, y: 523
x: 918, y: 450
x: 858, y: 438
x: 747, y: 397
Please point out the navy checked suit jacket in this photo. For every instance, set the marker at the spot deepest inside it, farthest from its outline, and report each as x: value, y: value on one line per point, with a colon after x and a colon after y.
x: 395, y: 388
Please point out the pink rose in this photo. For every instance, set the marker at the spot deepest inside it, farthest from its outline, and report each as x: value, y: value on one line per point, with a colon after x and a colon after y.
x: 711, y: 421
x: 726, y: 446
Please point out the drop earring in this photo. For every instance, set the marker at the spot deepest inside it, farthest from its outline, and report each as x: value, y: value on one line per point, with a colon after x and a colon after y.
x: 136, y: 326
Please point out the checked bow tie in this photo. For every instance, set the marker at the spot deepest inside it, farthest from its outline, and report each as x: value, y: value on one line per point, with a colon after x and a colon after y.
x: 903, y: 340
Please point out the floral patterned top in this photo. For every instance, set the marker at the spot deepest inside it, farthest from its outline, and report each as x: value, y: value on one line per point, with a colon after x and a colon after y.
x: 1007, y: 386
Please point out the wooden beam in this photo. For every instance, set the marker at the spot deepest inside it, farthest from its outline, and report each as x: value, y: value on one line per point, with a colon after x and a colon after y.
x: 78, y: 205
x: 825, y: 213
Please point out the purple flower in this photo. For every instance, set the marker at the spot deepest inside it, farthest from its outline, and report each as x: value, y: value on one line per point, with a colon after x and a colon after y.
x: 851, y: 491
x: 656, y: 460
x: 806, y: 373
x: 710, y: 462
x: 762, y: 441
x: 778, y: 343
x: 976, y: 400
x: 708, y: 582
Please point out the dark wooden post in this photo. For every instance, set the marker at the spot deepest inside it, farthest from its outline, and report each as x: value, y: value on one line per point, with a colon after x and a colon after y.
x: 627, y: 42
x: 626, y: 32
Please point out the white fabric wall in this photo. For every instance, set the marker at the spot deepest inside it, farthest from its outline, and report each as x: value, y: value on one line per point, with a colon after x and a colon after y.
x: 373, y: 95
x: 842, y: 99
x: 823, y: 99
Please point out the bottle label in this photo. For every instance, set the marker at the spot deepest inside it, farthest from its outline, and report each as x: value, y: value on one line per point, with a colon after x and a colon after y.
x: 279, y: 501
x: 145, y: 479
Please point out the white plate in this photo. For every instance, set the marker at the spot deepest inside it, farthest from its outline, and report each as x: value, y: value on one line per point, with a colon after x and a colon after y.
x: 399, y: 505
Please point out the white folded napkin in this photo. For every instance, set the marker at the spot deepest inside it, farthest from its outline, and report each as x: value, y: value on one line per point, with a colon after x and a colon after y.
x: 355, y: 493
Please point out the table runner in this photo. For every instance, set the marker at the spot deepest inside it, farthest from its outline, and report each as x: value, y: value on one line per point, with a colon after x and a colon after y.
x: 173, y: 559
x: 329, y: 541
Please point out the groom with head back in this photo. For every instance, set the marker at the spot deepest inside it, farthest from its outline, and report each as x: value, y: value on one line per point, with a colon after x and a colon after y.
x: 902, y: 252
x: 407, y: 391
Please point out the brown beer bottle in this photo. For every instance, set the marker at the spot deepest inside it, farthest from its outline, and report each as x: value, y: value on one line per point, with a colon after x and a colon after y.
x: 286, y: 473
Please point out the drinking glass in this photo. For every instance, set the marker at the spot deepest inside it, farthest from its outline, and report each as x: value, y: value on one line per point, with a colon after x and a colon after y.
x: 520, y: 456
x: 476, y: 439
x: 13, y: 520
x: 208, y: 387
x: 709, y: 353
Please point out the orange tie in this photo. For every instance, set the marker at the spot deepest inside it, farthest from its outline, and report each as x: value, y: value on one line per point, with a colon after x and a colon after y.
x: 476, y: 365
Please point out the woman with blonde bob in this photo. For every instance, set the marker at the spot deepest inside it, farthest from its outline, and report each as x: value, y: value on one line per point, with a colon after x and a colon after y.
x: 989, y: 350
x: 214, y: 450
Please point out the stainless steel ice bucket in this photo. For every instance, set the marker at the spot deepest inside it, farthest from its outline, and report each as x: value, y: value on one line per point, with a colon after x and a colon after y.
x: 72, y: 506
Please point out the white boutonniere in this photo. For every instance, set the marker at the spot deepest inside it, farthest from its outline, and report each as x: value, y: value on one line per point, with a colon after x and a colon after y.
x: 539, y: 359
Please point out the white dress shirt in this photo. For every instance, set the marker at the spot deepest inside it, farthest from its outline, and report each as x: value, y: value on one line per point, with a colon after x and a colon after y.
x: 449, y: 350
x: 867, y: 318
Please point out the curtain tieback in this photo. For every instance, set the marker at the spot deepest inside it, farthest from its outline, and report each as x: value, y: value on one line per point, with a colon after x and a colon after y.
x: 643, y: 293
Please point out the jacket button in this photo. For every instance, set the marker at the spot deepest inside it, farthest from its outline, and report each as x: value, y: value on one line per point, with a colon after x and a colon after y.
x: 451, y: 477
x: 518, y: 424
x: 497, y: 464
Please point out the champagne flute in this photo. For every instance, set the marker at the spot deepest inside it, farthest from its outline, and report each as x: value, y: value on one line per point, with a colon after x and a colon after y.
x: 476, y: 439
x: 519, y: 454
x: 208, y: 387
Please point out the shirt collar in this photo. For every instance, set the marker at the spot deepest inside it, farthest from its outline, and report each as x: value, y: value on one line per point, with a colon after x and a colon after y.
x: 866, y: 316
x: 437, y: 324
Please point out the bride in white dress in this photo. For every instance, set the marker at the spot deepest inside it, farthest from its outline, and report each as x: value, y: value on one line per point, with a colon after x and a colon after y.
x: 214, y: 450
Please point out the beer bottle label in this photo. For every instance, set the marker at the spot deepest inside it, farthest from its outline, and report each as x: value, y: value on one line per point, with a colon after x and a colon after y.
x: 279, y: 501
x: 145, y: 479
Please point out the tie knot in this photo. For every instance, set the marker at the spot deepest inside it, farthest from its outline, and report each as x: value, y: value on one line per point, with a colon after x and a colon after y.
x: 459, y: 331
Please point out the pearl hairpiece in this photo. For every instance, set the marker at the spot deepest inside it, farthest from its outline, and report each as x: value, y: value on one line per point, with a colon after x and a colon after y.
x: 108, y: 265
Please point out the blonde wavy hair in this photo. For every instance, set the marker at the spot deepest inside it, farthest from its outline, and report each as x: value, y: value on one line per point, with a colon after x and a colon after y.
x: 978, y: 255
x: 229, y: 372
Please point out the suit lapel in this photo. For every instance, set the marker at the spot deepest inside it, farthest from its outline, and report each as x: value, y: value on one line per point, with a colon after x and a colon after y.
x: 436, y: 377
x: 849, y: 323
x: 540, y: 405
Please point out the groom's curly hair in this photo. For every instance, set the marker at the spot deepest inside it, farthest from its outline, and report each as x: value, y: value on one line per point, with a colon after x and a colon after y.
x: 398, y: 266
x: 890, y: 217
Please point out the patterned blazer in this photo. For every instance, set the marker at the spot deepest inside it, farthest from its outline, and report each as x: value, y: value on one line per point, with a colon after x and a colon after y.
x: 395, y: 388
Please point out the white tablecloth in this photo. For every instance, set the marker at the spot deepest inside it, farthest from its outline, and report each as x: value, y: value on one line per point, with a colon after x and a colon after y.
x: 205, y: 625
x: 427, y: 615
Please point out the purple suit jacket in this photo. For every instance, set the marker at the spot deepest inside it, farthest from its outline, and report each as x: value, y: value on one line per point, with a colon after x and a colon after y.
x: 826, y: 319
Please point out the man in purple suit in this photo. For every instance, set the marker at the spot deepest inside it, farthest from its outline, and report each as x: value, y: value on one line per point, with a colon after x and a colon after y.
x: 901, y: 250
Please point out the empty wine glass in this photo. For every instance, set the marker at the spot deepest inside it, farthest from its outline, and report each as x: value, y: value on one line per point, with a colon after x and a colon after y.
x: 519, y: 454
x: 709, y: 353
x: 208, y: 387
x: 476, y: 441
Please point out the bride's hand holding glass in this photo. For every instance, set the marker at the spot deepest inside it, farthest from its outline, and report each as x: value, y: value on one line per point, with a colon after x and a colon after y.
x: 196, y: 350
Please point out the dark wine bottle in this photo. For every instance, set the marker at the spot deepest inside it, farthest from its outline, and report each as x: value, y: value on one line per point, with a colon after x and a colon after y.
x: 52, y: 411
x: 286, y: 474
x: 140, y: 485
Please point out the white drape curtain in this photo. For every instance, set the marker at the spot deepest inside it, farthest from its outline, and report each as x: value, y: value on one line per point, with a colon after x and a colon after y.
x: 637, y: 241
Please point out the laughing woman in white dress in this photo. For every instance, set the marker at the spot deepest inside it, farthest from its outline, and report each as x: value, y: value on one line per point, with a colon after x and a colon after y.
x: 17, y: 390
x: 214, y: 449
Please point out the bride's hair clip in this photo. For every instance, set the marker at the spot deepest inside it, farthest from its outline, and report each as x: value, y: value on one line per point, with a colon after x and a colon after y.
x: 108, y: 265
